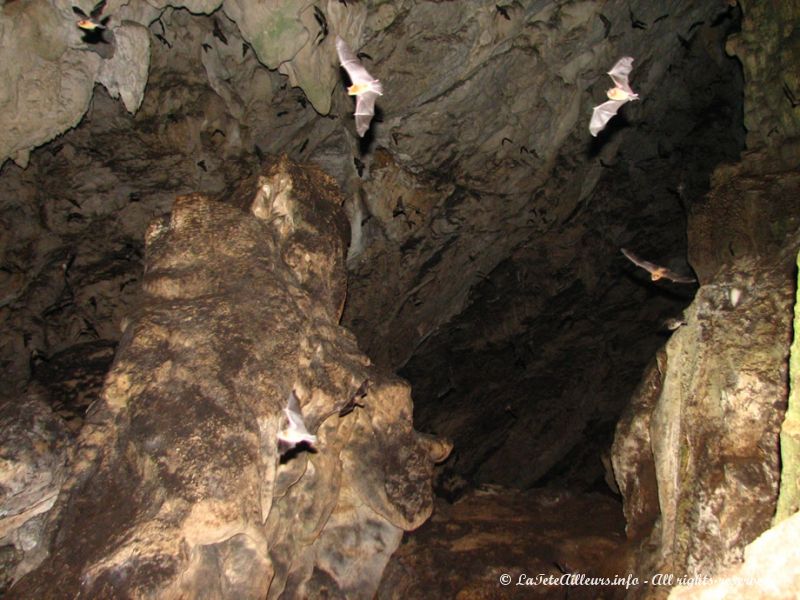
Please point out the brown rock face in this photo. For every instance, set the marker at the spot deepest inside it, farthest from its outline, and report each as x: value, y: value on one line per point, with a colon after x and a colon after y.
x: 702, y: 431
x: 178, y: 489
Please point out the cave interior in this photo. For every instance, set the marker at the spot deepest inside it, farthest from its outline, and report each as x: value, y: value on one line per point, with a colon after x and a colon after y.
x: 484, y: 264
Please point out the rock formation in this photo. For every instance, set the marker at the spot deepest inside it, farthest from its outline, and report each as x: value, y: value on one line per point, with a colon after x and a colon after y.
x: 483, y: 266
x: 178, y: 489
x: 697, y: 456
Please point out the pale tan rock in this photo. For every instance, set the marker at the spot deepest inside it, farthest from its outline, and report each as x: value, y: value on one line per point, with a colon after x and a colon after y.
x: 178, y: 489
x: 34, y: 446
x: 770, y: 571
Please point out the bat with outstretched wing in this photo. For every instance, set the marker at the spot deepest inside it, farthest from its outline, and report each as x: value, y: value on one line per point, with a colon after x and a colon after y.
x: 295, y: 431
x: 92, y: 26
x: 656, y: 272
x: 92, y: 21
x: 617, y: 96
x: 364, y: 86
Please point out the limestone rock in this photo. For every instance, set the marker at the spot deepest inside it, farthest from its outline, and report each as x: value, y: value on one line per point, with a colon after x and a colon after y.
x: 789, y: 497
x: 177, y: 488
x: 713, y: 429
x: 768, y: 46
x: 769, y: 572
x: 49, y: 83
x: 125, y: 75
x: 33, y: 453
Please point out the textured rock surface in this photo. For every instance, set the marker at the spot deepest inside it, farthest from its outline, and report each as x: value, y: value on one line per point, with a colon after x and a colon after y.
x: 177, y: 489
x: 34, y: 444
x: 708, y: 426
x: 768, y: 46
x: 538, y: 228
x: 709, y: 421
x: 468, y: 85
x: 466, y: 547
x: 486, y: 222
x: 789, y: 497
x: 770, y: 570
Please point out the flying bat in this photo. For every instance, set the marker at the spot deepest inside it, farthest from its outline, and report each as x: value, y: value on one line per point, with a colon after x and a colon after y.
x: 295, y: 431
x: 360, y: 393
x: 655, y: 271
x: 365, y: 87
x: 92, y: 25
x: 617, y: 96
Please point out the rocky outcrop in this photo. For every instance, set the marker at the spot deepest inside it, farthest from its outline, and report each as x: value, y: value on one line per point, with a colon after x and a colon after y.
x: 178, y: 488
x: 707, y: 426
x: 769, y: 571
x: 34, y: 445
x: 789, y: 497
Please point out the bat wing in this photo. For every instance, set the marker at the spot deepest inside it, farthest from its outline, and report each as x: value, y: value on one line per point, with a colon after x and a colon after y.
x: 295, y: 431
x: 619, y: 73
x: 79, y: 12
x: 365, y: 110
x: 645, y: 264
x: 351, y: 64
x: 677, y: 278
x: 602, y: 114
x: 98, y: 9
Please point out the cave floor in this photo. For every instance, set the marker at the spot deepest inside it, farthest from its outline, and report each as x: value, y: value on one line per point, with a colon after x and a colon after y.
x: 466, y: 547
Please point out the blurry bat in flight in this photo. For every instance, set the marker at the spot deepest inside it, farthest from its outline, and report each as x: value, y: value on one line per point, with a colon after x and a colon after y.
x: 617, y: 96
x: 92, y: 25
x: 655, y: 271
x: 365, y: 87
x: 295, y: 431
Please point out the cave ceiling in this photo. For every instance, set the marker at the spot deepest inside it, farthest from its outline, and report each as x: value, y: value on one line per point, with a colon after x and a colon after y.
x: 486, y: 222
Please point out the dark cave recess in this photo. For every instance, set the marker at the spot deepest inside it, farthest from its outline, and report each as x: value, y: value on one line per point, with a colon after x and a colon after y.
x: 530, y: 379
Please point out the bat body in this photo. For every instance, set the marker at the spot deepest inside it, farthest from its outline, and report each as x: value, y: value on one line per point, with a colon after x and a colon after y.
x: 617, y: 96
x: 365, y: 87
x: 656, y: 272
x: 92, y: 26
x: 295, y: 431
x: 92, y: 21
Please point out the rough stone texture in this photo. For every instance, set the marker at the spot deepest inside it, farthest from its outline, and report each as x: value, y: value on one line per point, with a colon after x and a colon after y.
x: 463, y: 550
x: 177, y: 489
x: 486, y: 223
x: 632, y: 456
x: 709, y: 426
x: 789, y: 496
x: 721, y: 389
x: 771, y: 570
x: 768, y: 46
x: 33, y: 453
x: 492, y: 176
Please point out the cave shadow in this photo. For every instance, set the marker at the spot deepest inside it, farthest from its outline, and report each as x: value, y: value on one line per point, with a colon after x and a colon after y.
x: 595, y: 145
x: 295, y: 451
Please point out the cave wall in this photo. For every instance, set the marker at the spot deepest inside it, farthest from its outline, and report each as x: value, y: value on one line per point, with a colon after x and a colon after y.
x: 468, y: 85
x: 697, y: 455
x: 486, y: 223
x: 177, y: 488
